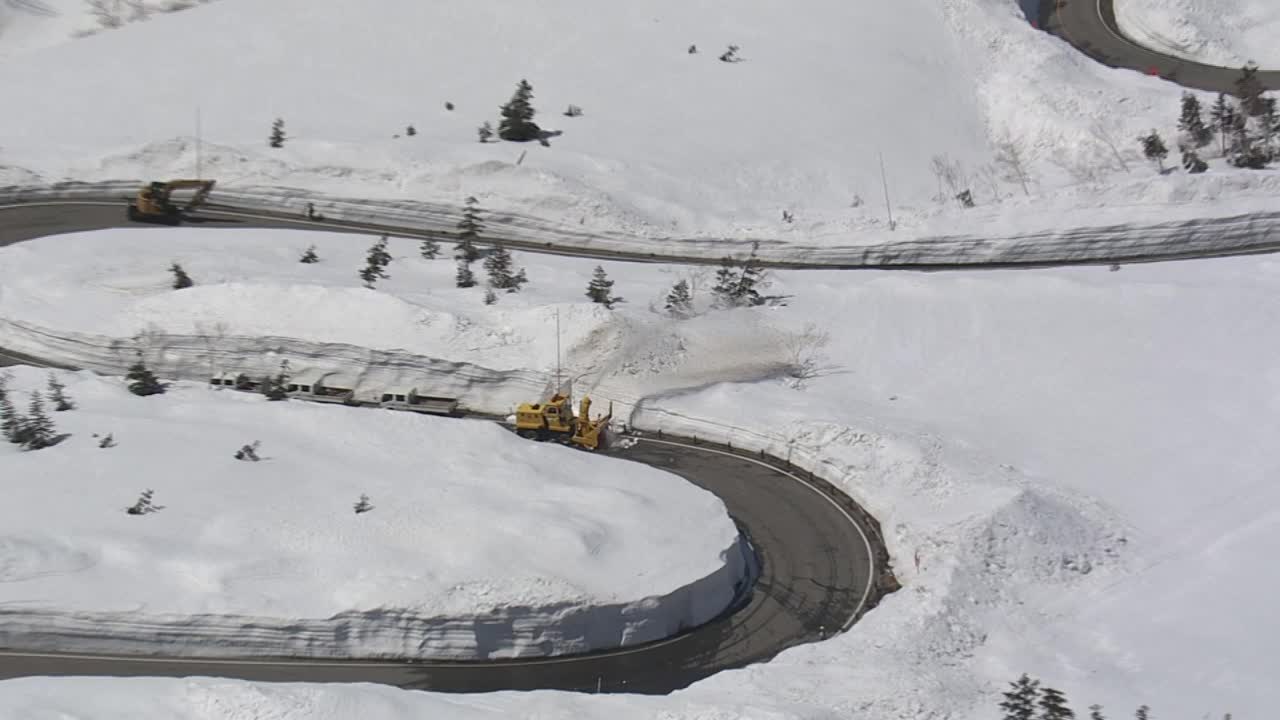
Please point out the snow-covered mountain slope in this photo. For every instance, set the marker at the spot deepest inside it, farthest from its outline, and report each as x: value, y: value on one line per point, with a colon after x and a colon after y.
x: 28, y: 25
x: 1070, y: 466
x: 478, y: 543
x: 1218, y: 32
x: 669, y: 143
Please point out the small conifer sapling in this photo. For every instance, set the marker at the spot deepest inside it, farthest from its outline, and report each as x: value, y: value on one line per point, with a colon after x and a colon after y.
x: 181, y: 279
x: 464, y: 278
x: 1153, y: 148
x: 680, y: 300
x: 277, y: 138
x: 309, y: 255
x: 58, y: 395
x: 141, y: 380
x: 600, y: 289
x: 469, y: 229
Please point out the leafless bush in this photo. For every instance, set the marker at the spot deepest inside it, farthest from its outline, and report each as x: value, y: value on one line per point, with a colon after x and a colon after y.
x: 950, y: 174
x: 805, y: 353
x: 1011, y: 159
x: 1100, y: 132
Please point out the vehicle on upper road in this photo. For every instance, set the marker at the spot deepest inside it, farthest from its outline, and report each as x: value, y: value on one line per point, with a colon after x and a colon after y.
x: 155, y: 201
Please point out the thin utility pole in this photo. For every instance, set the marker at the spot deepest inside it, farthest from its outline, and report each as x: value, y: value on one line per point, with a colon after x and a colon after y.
x: 557, y: 349
x: 883, y: 181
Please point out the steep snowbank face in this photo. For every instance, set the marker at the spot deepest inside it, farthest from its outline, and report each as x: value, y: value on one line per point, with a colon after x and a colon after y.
x: 1218, y: 32
x: 478, y: 544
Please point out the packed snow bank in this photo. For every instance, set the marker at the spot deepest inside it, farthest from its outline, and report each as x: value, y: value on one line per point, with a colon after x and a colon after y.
x: 1217, y: 32
x: 687, y: 147
x: 479, y: 544
x: 91, y: 300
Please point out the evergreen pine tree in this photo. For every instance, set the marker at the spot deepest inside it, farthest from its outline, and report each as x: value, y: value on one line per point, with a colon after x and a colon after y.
x: 489, y: 296
x: 429, y: 249
x: 464, y: 277
x: 485, y: 132
x: 1192, y: 122
x: 1053, y: 705
x: 376, y: 262
x: 37, y: 431
x: 1020, y: 699
x: 679, y: 300
x: 751, y: 277
x: 1153, y: 148
x: 411, y: 131
x: 726, y: 283
x: 1191, y: 161
x: 600, y: 289
x: 144, y: 505
x: 309, y: 255
x: 1249, y: 90
x: 1142, y: 713
x: 107, y: 442
x: 1095, y: 712
x: 469, y: 228
x: 363, y: 505
x: 517, y: 116
x: 58, y: 395
x: 498, y: 264
x: 11, y: 423
x: 1223, y: 116
x: 1242, y: 150
x: 277, y: 134
x: 141, y: 380
x: 180, y: 277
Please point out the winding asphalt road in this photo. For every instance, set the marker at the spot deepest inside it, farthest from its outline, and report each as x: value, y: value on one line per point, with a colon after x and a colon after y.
x: 1090, y: 25
x: 822, y: 565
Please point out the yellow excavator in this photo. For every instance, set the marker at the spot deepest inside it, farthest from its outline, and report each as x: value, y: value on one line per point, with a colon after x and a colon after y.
x: 554, y: 420
x: 155, y: 202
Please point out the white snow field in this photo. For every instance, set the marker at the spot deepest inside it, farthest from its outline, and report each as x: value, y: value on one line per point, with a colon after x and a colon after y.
x: 1072, y: 467
x: 479, y: 544
x: 1218, y: 32
x: 669, y: 145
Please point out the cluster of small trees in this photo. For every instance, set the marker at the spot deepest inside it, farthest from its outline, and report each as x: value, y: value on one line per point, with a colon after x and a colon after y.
x: 1247, y: 127
x: 35, y: 429
x: 498, y: 263
x: 1027, y: 699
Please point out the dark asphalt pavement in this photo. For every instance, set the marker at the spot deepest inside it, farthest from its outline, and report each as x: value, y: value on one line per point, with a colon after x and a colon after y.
x: 822, y: 565
x: 1090, y: 25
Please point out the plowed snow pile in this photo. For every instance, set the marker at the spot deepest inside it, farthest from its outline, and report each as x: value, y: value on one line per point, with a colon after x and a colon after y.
x: 478, y: 544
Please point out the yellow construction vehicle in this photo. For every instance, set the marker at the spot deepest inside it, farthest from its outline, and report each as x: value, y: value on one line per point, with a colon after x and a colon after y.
x: 554, y: 420
x: 155, y: 202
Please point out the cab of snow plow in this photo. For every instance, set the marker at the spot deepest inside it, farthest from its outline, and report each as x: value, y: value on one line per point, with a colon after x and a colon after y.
x: 553, y: 419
